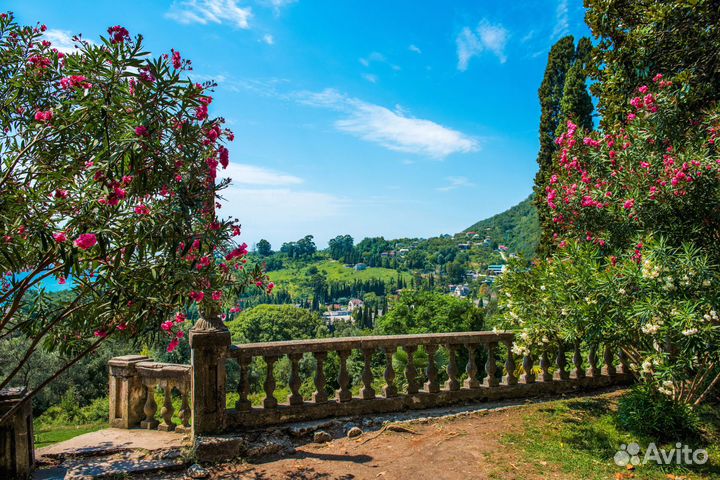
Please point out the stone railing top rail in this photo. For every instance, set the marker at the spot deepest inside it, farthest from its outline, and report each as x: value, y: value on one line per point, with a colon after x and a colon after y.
x: 163, y: 371
x: 370, y: 342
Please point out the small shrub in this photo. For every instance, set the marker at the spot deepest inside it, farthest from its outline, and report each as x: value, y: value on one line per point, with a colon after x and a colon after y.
x: 645, y: 411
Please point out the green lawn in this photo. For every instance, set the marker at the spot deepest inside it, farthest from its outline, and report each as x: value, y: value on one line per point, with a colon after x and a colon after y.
x: 337, y: 272
x: 580, y: 437
x: 48, y: 435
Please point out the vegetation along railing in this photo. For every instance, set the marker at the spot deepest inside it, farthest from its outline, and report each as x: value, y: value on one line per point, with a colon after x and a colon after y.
x: 455, y: 368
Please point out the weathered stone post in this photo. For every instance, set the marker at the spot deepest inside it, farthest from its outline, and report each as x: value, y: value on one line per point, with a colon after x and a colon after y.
x: 127, y: 393
x: 209, y: 341
x: 17, y: 455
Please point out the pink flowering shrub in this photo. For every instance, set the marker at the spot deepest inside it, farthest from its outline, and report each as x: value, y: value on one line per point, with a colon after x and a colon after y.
x: 109, y: 182
x: 636, y: 213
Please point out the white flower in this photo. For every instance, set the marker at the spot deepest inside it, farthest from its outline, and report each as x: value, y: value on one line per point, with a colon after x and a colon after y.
x: 524, y: 336
x: 706, y: 283
x: 621, y: 291
x: 690, y: 331
x: 542, y: 287
x: 650, y: 328
x: 647, y: 366
x: 564, y: 312
x: 508, y: 294
x: 545, y: 339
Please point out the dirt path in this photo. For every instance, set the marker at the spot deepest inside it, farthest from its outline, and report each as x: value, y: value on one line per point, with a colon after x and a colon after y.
x: 465, y: 447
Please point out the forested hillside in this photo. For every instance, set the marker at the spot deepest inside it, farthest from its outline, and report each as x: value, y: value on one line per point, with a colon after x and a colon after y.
x: 518, y: 228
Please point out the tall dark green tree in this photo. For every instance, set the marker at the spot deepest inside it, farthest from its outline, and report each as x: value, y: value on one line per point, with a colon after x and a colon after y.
x: 563, y: 96
x: 264, y: 248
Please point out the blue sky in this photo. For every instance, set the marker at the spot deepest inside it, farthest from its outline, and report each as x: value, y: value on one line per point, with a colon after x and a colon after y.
x: 400, y: 118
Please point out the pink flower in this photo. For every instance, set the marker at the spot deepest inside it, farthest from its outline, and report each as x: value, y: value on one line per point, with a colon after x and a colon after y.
x: 644, y: 89
x: 180, y: 317
x: 176, y: 60
x: 85, y: 241
x: 61, y: 281
x: 173, y: 345
x: 141, y: 131
x: 631, y: 117
x: 61, y: 193
x: 43, y: 117
x: 60, y: 237
x: 75, y: 81
x: 224, y: 157
x: 241, y: 251
x: 122, y: 326
x: 167, y: 326
x: 629, y: 204
x: 142, y: 210
x: 180, y: 334
x: 100, y: 333
x: 118, y: 34
x: 216, y: 295
x: 657, y: 77
x: 197, y: 296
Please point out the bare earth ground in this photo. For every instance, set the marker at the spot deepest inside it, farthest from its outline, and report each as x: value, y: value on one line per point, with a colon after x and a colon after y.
x: 466, y: 447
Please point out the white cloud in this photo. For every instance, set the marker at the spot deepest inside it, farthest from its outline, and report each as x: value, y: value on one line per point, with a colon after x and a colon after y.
x: 370, y: 77
x: 455, y: 183
x: 562, y: 19
x: 394, y: 130
x: 243, y: 174
x: 486, y: 36
x: 267, y: 38
x: 210, y: 11
x: 414, y: 48
x: 62, y: 40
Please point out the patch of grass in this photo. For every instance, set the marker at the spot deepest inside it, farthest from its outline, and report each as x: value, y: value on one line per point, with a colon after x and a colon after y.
x: 580, y: 438
x: 50, y: 434
x: 337, y: 272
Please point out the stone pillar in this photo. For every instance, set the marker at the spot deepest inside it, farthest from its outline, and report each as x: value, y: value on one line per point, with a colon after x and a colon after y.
x: 127, y: 394
x: 209, y: 341
x: 16, y: 436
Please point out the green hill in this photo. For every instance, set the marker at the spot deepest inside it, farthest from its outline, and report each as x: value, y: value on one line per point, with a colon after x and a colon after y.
x: 518, y: 228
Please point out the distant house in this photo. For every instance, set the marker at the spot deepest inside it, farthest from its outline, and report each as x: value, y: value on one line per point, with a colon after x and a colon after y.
x: 355, y: 303
x: 464, y: 246
x: 496, y: 269
x: 503, y: 248
x: 403, y: 251
x: 360, y: 266
x: 487, y: 242
x: 470, y: 234
x: 461, y: 291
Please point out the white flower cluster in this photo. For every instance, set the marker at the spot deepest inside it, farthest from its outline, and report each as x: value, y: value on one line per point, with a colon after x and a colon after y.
x: 649, y: 270
x: 520, y: 350
x: 669, y: 284
x: 652, y: 327
x: 667, y: 388
x: 690, y: 331
x: 712, y: 316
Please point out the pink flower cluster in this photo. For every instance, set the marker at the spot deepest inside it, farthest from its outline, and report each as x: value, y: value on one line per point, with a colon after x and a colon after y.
x: 85, y: 241
x: 44, y: 117
x: 75, y: 81
x: 118, y: 34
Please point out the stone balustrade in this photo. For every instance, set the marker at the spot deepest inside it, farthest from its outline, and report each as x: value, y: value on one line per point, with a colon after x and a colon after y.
x: 134, y: 380
x: 489, y: 381
x: 489, y: 371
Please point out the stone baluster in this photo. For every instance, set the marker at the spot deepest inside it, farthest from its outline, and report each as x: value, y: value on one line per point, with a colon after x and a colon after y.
x: 432, y: 385
x: 545, y: 368
x: 510, y: 378
x: 561, y: 362
x: 320, y: 395
x: 270, y: 385
x: 295, y: 382
x: 368, y: 393
x: 528, y: 365
x: 452, y: 384
x: 593, y: 371
x: 410, y: 370
x: 243, y: 403
x: 471, y: 368
x: 167, y: 410
x: 344, y: 394
x: 608, y: 358
x: 150, y: 409
x: 623, y: 368
x: 579, y: 371
x: 389, y: 390
x: 490, y: 366
x: 184, y: 412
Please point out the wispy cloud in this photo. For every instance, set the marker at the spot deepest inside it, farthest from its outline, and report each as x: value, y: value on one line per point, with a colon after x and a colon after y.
x: 62, y: 40
x: 394, y: 130
x: 562, y: 19
x: 370, y: 77
x: 414, y: 48
x: 377, y: 57
x: 243, y: 174
x: 485, y: 36
x: 455, y: 183
x: 269, y: 39
x: 210, y: 11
